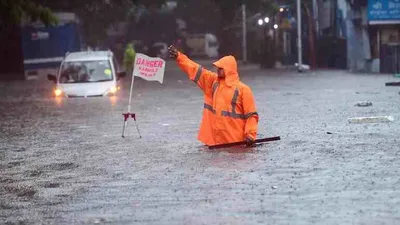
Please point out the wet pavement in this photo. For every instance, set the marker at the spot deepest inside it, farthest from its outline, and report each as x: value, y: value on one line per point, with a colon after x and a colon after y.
x: 63, y: 161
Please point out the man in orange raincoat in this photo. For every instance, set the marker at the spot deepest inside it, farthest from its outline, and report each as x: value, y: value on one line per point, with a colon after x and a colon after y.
x: 229, y: 113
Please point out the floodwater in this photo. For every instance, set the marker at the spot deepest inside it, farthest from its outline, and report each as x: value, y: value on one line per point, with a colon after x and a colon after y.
x: 63, y: 161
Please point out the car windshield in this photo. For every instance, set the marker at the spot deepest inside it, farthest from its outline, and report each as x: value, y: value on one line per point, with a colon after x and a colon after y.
x: 86, y: 71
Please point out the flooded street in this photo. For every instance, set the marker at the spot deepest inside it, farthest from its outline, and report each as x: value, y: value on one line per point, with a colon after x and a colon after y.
x: 63, y: 161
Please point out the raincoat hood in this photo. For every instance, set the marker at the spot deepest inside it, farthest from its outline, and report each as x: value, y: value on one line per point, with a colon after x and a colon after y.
x: 228, y: 63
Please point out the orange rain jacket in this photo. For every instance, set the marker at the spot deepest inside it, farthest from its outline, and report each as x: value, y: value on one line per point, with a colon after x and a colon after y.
x: 229, y: 113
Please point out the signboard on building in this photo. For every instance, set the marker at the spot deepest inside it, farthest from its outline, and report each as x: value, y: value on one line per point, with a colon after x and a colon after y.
x: 40, y: 36
x: 384, y: 11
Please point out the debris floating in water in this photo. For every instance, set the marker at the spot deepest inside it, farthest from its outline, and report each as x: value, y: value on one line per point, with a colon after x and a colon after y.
x: 373, y: 119
x: 364, y: 104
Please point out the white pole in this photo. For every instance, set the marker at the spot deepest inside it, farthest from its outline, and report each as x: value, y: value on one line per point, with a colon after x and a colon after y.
x: 244, y: 30
x: 130, y: 101
x: 129, y: 110
x: 130, y: 94
x: 300, y: 63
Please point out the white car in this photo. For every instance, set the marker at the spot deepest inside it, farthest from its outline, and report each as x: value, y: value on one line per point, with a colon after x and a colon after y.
x: 87, y: 74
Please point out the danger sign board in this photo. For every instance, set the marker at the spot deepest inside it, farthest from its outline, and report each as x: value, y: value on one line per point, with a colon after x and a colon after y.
x: 148, y: 68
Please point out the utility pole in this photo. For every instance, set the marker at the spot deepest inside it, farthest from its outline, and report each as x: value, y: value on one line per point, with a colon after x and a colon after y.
x: 244, y: 32
x: 299, y: 47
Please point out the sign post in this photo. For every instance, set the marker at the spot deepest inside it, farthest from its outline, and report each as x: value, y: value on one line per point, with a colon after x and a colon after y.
x: 150, y: 69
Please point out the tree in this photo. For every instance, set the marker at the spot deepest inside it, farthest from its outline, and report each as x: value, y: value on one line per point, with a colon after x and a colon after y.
x: 201, y: 16
x: 14, y: 11
x: 230, y: 12
x: 222, y: 16
x: 149, y: 3
x: 231, y: 17
x: 96, y: 16
x: 99, y: 15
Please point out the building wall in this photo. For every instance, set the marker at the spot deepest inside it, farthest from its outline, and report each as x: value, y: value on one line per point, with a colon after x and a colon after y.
x: 371, y: 33
x: 389, y: 48
x: 373, y: 36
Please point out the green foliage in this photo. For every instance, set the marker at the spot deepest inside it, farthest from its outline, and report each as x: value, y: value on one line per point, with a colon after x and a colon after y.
x: 14, y: 11
x: 231, y: 8
x: 193, y: 11
x: 98, y: 15
x: 149, y: 3
x: 129, y: 57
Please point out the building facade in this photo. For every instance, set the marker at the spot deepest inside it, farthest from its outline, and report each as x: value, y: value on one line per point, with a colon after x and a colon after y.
x: 373, y: 28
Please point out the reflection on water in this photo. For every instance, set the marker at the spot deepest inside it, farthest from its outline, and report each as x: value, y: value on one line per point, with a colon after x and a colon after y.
x: 113, y: 100
x: 232, y: 150
x: 59, y: 101
x: 241, y: 158
x: 235, y: 150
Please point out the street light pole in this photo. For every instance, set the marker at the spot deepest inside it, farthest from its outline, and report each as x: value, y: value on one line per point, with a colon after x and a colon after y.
x: 244, y: 30
x: 299, y: 49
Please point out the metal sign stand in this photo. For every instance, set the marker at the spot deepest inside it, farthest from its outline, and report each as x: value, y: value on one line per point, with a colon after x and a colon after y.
x: 129, y: 114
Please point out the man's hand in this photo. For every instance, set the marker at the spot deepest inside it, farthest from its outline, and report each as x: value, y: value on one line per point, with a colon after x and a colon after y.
x: 249, y: 141
x: 173, y: 52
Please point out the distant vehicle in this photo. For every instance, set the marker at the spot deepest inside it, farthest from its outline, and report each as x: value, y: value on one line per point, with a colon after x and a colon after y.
x: 87, y: 74
x: 45, y: 46
x: 203, y: 45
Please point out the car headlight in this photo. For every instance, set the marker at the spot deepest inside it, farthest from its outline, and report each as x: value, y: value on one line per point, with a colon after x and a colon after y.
x: 113, y: 90
x: 58, y: 92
